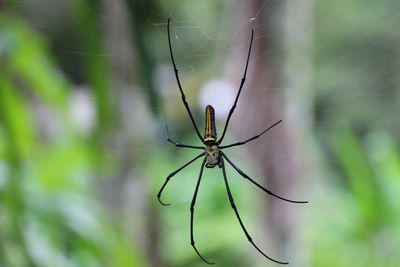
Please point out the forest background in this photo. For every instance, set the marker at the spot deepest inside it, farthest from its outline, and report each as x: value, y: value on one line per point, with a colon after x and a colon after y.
x: 86, y: 88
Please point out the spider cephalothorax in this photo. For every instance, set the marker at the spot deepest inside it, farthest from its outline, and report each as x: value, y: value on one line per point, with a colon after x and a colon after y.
x: 213, y: 155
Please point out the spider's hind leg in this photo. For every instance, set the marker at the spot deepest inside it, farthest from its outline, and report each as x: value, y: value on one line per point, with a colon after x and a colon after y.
x: 258, y: 185
x: 192, y: 213
x: 238, y: 216
x: 172, y: 174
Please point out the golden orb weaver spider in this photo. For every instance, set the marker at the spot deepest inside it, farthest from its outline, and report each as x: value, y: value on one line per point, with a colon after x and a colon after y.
x: 213, y: 155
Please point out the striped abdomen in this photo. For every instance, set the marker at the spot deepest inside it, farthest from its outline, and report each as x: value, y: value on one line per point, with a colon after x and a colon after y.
x: 210, y: 132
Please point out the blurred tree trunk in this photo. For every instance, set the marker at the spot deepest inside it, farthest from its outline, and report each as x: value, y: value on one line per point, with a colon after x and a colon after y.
x: 299, y: 101
x: 123, y: 191
x: 139, y: 24
x: 279, y: 154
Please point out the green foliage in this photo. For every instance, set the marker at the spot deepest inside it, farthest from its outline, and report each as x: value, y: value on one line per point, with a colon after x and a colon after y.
x: 48, y: 216
x: 359, y: 226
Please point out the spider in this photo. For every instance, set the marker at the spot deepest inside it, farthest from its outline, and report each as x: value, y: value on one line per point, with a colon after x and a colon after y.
x: 213, y: 154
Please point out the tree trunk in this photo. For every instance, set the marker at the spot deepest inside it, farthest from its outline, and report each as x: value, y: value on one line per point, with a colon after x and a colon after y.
x: 267, y: 98
x: 126, y: 191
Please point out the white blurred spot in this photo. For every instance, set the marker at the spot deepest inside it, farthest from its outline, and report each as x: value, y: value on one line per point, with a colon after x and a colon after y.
x: 220, y: 94
x: 83, y: 110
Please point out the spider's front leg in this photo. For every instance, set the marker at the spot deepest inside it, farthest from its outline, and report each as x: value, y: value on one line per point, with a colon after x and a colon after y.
x: 179, y: 83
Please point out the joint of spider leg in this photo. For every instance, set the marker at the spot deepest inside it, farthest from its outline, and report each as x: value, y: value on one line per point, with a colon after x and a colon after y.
x: 250, y: 239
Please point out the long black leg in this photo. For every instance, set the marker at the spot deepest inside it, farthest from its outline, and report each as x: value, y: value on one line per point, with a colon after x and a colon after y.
x: 172, y: 174
x: 255, y: 183
x: 238, y: 216
x: 254, y: 137
x: 192, y: 213
x: 179, y: 83
x: 180, y: 145
x: 239, y: 91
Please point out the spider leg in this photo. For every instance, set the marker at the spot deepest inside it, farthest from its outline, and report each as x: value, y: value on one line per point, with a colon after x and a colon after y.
x: 255, y: 183
x: 192, y: 213
x: 238, y: 216
x: 180, y: 145
x: 172, y: 174
x: 239, y: 91
x: 254, y: 137
x: 179, y: 83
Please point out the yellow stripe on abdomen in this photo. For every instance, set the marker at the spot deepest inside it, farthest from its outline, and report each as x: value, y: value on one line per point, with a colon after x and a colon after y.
x: 210, y: 131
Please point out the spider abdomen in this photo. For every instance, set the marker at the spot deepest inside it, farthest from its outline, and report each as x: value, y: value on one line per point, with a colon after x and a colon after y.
x: 210, y: 131
x: 212, y: 156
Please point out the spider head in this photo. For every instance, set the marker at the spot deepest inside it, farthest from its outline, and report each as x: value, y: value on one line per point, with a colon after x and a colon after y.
x: 210, y: 142
x: 212, y: 156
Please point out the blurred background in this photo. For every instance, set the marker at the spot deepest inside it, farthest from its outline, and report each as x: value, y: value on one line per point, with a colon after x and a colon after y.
x: 86, y: 88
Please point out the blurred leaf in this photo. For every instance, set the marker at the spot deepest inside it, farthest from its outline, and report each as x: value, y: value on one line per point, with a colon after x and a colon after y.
x: 357, y: 170
x: 28, y: 60
x: 16, y: 121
